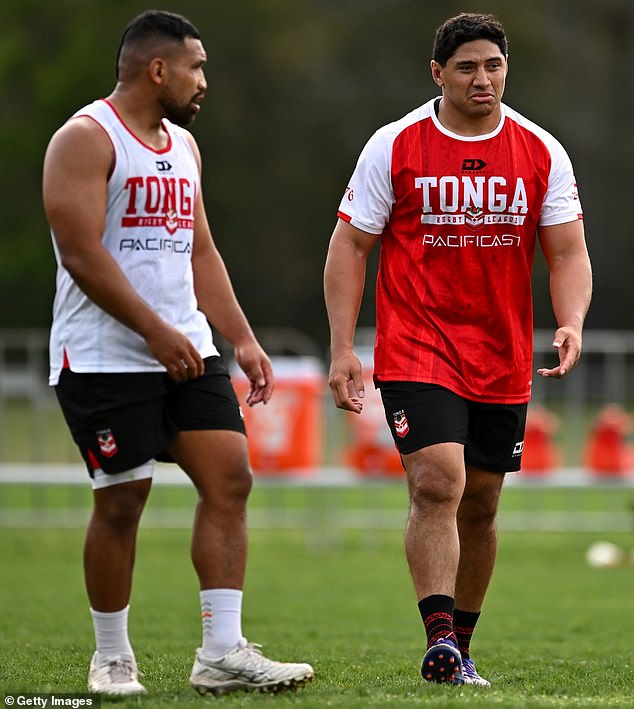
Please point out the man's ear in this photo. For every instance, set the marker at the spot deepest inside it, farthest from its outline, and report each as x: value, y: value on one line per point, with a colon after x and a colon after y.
x: 157, y: 70
x: 436, y: 70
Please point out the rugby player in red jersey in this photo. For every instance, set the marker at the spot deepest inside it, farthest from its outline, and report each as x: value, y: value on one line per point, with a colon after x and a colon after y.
x: 457, y: 193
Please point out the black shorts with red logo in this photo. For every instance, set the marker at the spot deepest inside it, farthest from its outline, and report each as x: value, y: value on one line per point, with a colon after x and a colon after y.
x: 121, y: 420
x: 421, y: 415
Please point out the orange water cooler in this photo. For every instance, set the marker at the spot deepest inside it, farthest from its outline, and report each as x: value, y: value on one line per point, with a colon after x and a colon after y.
x: 286, y: 435
x: 371, y: 450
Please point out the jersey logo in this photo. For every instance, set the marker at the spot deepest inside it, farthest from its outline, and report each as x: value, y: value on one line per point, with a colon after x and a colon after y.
x: 171, y: 221
x: 107, y: 443
x: 474, y: 217
x: 400, y: 424
x: 153, y: 201
x: 518, y: 449
x: 471, y: 164
x: 163, y: 166
x: 472, y: 200
x: 153, y: 243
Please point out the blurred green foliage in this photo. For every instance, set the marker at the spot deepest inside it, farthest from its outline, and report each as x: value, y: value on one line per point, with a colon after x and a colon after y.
x: 296, y: 87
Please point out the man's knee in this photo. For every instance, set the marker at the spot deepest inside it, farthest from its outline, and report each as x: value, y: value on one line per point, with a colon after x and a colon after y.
x: 121, y: 506
x: 479, y: 507
x: 217, y: 462
x: 238, y: 484
x: 435, y: 476
x: 424, y: 492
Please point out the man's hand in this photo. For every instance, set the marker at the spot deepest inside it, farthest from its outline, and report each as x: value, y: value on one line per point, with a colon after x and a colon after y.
x: 346, y: 382
x: 175, y: 352
x: 255, y: 363
x: 567, y: 342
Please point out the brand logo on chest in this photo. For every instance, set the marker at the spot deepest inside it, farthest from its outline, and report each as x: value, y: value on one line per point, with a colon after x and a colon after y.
x: 160, y: 201
x: 473, y: 200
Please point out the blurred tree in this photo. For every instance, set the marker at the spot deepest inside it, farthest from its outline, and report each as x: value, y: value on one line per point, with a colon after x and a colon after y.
x: 296, y: 87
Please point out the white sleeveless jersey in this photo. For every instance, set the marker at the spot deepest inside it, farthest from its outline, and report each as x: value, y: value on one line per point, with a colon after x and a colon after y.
x: 149, y: 231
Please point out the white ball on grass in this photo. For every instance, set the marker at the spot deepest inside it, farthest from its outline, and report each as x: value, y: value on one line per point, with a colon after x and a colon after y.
x: 604, y: 555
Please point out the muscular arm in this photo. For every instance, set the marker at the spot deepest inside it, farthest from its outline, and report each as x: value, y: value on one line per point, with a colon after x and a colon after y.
x: 566, y: 254
x: 76, y: 167
x: 344, y: 281
x: 217, y: 299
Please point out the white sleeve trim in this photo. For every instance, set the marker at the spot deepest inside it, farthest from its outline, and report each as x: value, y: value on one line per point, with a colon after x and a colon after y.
x: 561, y: 201
x: 369, y: 197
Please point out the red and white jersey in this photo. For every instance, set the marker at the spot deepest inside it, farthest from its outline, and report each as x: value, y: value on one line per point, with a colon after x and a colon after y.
x: 149, y: 231
x: 457, y: 218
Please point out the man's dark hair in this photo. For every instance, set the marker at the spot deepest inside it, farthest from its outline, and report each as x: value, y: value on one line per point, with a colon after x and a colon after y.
x: 156, y: 24
x: 467, y: 27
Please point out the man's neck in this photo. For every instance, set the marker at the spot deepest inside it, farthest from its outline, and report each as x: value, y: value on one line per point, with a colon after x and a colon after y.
x: 140, y: 117
x: 467, y: 126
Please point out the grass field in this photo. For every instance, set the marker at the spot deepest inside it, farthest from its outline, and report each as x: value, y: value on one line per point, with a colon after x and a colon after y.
x: 555, y: 632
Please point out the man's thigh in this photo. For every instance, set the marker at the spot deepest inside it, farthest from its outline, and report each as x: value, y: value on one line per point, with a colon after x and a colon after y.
x: 216, y: 461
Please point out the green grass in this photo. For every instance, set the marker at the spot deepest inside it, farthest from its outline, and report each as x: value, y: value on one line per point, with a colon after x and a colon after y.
x: 555, y: 632
x: 323, y: 511
x: 35, y: 434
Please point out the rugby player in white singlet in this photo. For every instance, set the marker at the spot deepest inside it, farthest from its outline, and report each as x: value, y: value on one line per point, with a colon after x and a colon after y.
x: 133, y: 361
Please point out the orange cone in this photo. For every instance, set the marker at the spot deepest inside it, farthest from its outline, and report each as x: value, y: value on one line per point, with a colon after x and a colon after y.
x: 607, y: 451
x: 541, y: 454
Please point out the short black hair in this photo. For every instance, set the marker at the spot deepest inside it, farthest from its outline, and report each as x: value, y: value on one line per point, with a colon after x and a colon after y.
x: 467, y: 27
x: 156, y: 24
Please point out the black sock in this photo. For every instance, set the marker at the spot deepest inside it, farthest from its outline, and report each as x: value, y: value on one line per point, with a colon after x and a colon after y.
x: 463, y: 624
x: 437, y: 614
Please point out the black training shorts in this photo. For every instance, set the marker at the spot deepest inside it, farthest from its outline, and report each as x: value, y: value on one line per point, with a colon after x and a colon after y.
x: 421, y: 415
x: 120, y: 421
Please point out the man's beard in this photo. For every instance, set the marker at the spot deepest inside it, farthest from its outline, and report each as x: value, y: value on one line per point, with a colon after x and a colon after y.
x: 180, y: 114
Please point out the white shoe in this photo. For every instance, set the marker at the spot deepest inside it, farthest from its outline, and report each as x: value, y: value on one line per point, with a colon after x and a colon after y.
x: 246, y: 668
x: 114, y: 675
x: 471, y: 676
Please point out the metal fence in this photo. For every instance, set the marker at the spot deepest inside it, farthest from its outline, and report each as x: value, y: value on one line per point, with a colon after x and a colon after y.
x: 605, y: 375
x: 43, y: 483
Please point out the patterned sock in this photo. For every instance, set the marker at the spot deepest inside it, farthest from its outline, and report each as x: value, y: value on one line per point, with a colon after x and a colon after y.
x: 464, y: 623
x: 437, y: 614
x: 221, y: 610
x: 111, y: 633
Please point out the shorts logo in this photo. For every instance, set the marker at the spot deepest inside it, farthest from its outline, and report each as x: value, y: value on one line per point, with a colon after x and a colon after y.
x: 107, y: 443
x: 400, y: 424
x: 518, y: 449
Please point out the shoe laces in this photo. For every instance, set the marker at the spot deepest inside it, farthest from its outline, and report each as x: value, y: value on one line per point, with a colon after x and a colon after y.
x: 251, y: 649
x: 254, y: 653
x: 121, y: 669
